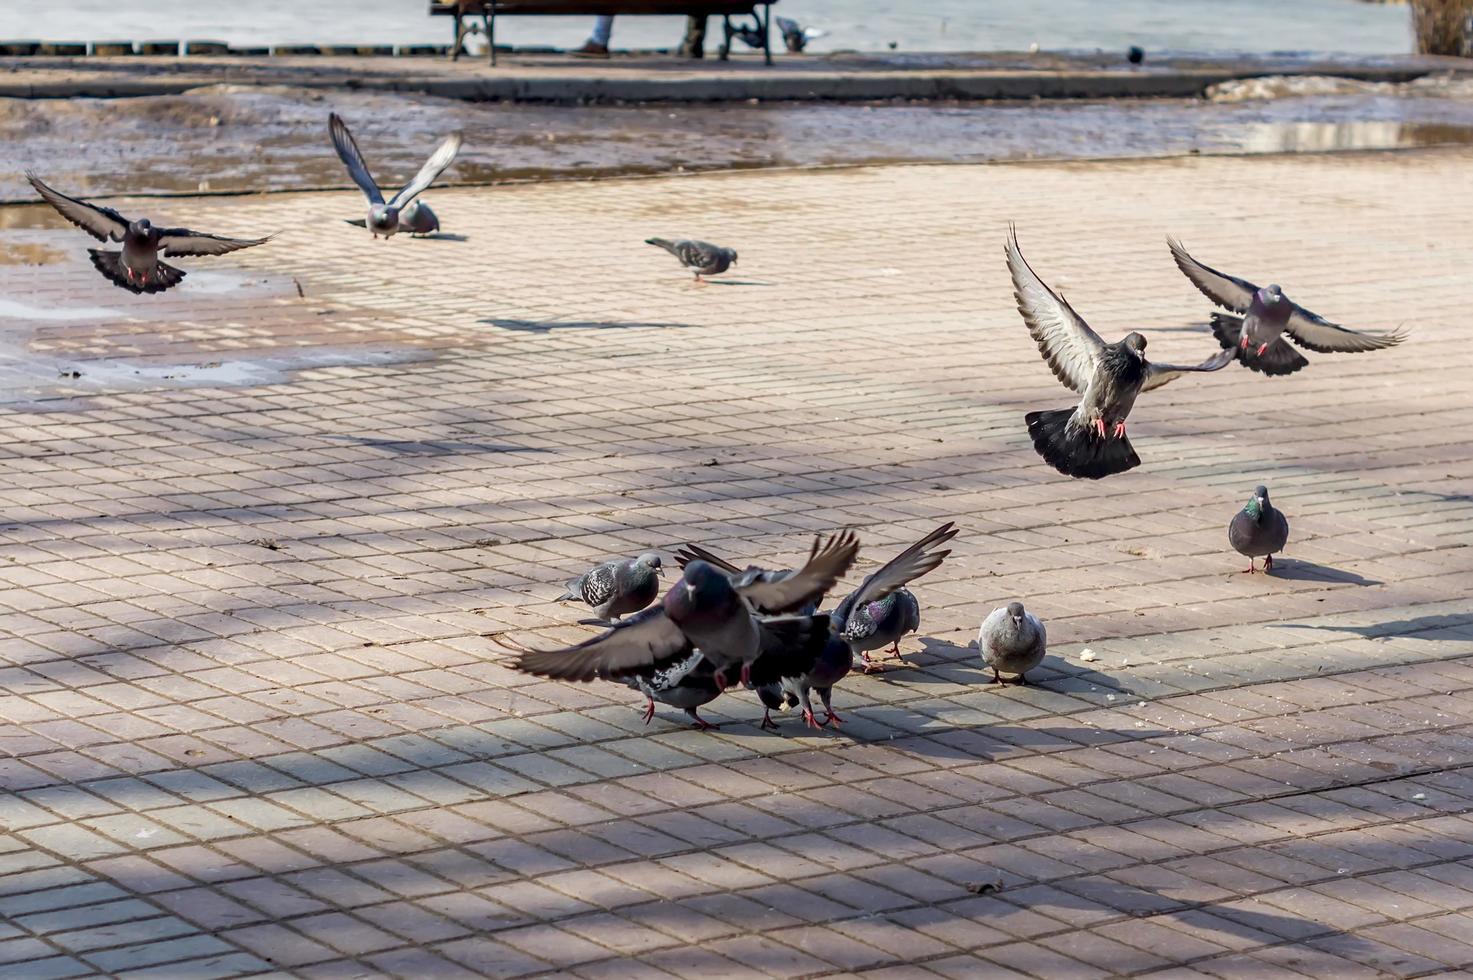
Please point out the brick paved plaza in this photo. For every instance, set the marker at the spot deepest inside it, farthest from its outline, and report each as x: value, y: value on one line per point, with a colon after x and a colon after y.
x: 254, y: 718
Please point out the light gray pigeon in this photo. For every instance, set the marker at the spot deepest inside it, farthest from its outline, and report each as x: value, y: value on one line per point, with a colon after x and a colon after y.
x: 730, y: 624
x: 1259, y: 530
x: 1257, y: 337
x: 617, y: 588
x: 386, y: 218
x: 703, y: 258
x: 1012, y: 641
x: 136, y: 267
x: 417, y: 220
x: 1089, y: 440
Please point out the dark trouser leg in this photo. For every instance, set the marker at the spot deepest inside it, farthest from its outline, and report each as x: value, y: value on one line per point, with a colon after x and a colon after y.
x: 694, y: 45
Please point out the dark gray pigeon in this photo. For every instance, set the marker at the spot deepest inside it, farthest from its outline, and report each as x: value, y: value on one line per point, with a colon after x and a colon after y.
x: 880, y: 612
x: 703, y: 258
x: 752, y: 573
x: 386, y: 217
x: 617, y: 588
x: 1012, y: 641
x: 417, y: 220
x: 136, y: 267
x: 687, y: 683
x: 1259, y: 531
x: 795, y: 37
x: 1089, y: 440
x: 729, y: 624
x: 1256, y: 338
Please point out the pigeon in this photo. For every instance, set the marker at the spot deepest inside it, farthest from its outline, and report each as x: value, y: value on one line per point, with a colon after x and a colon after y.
x: 796, y: 38
x: 1258, y: 530
x: 1088, y: 441
x: 873, y: 617
x: 388, y: 218
x: 686, y: 683
x: 752, y: 573
x: 617, y: 588
x: 702, y: 257
x: 1012, y: 641
x: 136, y: 267
x: 730, y: 624
x: 1256, y: 337
x: 417, y: 220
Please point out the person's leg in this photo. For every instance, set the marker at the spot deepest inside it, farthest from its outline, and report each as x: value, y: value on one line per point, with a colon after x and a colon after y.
x: 694, y: 45
x: 597, y: 45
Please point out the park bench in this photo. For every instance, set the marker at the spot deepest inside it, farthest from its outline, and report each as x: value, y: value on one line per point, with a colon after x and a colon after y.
x: 488, y: 10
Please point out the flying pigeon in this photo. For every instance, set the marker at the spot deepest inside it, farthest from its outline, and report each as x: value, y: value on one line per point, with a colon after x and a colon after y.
x: 1088, y: 441
x: 1258, y: 530
x: 136, y: 267
x: 388, y: 218
x: 752, y: 573
x: 1256, y: 338
x: 617, y: 588
x: 417, y: 220
x: 730, y: 624
x: 1012, y: 641
x: 703, y: 258
x: 796, y: 38
x: 880, y: 612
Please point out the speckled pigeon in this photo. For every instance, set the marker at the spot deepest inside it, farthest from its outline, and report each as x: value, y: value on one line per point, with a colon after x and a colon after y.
x: 386, y: 217
x: 1256, y: 338
x: 880, y: 611
x: 1089, y: 440
x: 1259, y: 530
x: 617, y: 588
x: 686, y: 681
x: 136, y: 267
x: 1012, y: 641
x: 703, y: 258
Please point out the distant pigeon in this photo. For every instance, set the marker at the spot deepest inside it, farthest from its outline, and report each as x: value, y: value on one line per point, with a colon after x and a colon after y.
x: 1257, y: 338
x: 136, y: 267
x: 880, y: 612
x: 1012, y: 641
x: 617, y: 588
x: 1088, y: 441
x: 386, y: 218
x: 731, y: 625
x: 703, y: 258
x: 1259, y: 531
x: 417, y: 220
x: 796, y: 38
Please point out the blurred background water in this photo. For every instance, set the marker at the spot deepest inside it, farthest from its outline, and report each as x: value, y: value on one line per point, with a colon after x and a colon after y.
x: 1170, y: 26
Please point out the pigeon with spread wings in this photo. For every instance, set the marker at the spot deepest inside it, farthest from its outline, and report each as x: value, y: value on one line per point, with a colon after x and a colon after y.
x: 1265, y: 317
x: 1089, y: 440
x: 387, y: 217
x: 136, y: 266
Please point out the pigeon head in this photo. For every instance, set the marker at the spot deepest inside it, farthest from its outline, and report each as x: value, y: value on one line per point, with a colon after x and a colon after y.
x: 703, y: 589
x: 1258, y: 503
x: 1136, y: 344
x: 649, y: 560
x: 142, y: 228
x: 383, y: 220
x: 1015, y: 610
x: 730, y: 255
x: 1271, y: 295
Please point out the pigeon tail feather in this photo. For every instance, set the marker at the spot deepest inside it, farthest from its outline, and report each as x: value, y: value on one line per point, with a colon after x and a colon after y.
x: 110, y: 264
x: 664, y: 243
x: 1277, y: 360
x: 1076, y: 451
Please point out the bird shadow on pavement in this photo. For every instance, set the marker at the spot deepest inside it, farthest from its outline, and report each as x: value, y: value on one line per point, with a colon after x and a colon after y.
x: 434, y: 447
x: 1420, y: 628
x: 547, y: 326
x: 737, y: 282
x: 1294, y: 570
x: 444, y: 237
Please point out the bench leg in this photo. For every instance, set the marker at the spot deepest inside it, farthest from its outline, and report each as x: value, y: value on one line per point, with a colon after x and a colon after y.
x: 767, y: 33
x: 459, y: 36
x: 489, y: 19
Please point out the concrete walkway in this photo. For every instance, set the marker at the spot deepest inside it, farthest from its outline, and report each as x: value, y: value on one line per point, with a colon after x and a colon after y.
x: 255, y: 719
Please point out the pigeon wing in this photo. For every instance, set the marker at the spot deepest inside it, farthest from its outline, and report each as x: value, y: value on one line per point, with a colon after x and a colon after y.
x: 694, y: 552
x: 101, y: 223
x: 348, y: 152
x: 182, y: 241
x: 1066, y: 342
x: 434, y: 166
x: 635, y: 643
x: 825, y: 566
x: 789, y: 647
x: 1159, y: 374
x: 906, y: 567
x: 1226, y: 291
x: 1314, y: 332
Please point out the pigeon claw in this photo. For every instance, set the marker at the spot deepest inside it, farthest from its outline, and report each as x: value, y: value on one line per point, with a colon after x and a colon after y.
x: 1120, y: 429
x: 701, y: 724
x: 1268, y: 564
x: 1251, y: 568
x: 809, y: 720
x: 829, y: 716
x: 1245, y: 341
x: 649, y: 712
x: 1261, y: 349
x: 767, y: 721
x: 746, y: 674
x: 1099, y: 426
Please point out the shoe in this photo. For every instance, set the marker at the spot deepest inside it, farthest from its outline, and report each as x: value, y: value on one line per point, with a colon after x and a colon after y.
x: 590, y: 49
x: 688, y: 51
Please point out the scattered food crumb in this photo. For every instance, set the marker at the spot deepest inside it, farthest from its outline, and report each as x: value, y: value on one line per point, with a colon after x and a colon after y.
x: 269, y: 543
x: 1419, y: 796
x: 1087, y: 655
x: 984, y: 887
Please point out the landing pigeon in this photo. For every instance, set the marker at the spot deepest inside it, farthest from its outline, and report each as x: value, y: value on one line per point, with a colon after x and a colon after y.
x: 1259, y: 530
x: 1012, y: 641
x: 386, y: 218
x: 136, y: 267
x: 703, y: 258
x: 617, y: 588
x: 796, y: 38
x: 417, y: 220
x: 1257, y: 337
x: 1088, y: 441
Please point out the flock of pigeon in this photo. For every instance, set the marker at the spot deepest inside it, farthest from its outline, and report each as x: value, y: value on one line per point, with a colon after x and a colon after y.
x: 722, y: 625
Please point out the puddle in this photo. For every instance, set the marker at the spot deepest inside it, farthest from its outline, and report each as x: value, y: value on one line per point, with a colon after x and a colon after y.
x: 14, y: 309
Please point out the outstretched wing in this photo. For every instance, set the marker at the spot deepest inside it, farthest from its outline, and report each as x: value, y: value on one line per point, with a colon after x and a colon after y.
x: 99, y: 222
x: 1066, y: 342
x: 1226, y: 291
x: 906, y: 567
x: 182, y: 241
x: 1159, y: 374
x: 634, y: 643
x: 1312, y: 331
x: 694, y: 552
x: 825, y: 566
x: 347, y: 148
x: 434, y: 166
x: 789, y: 647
